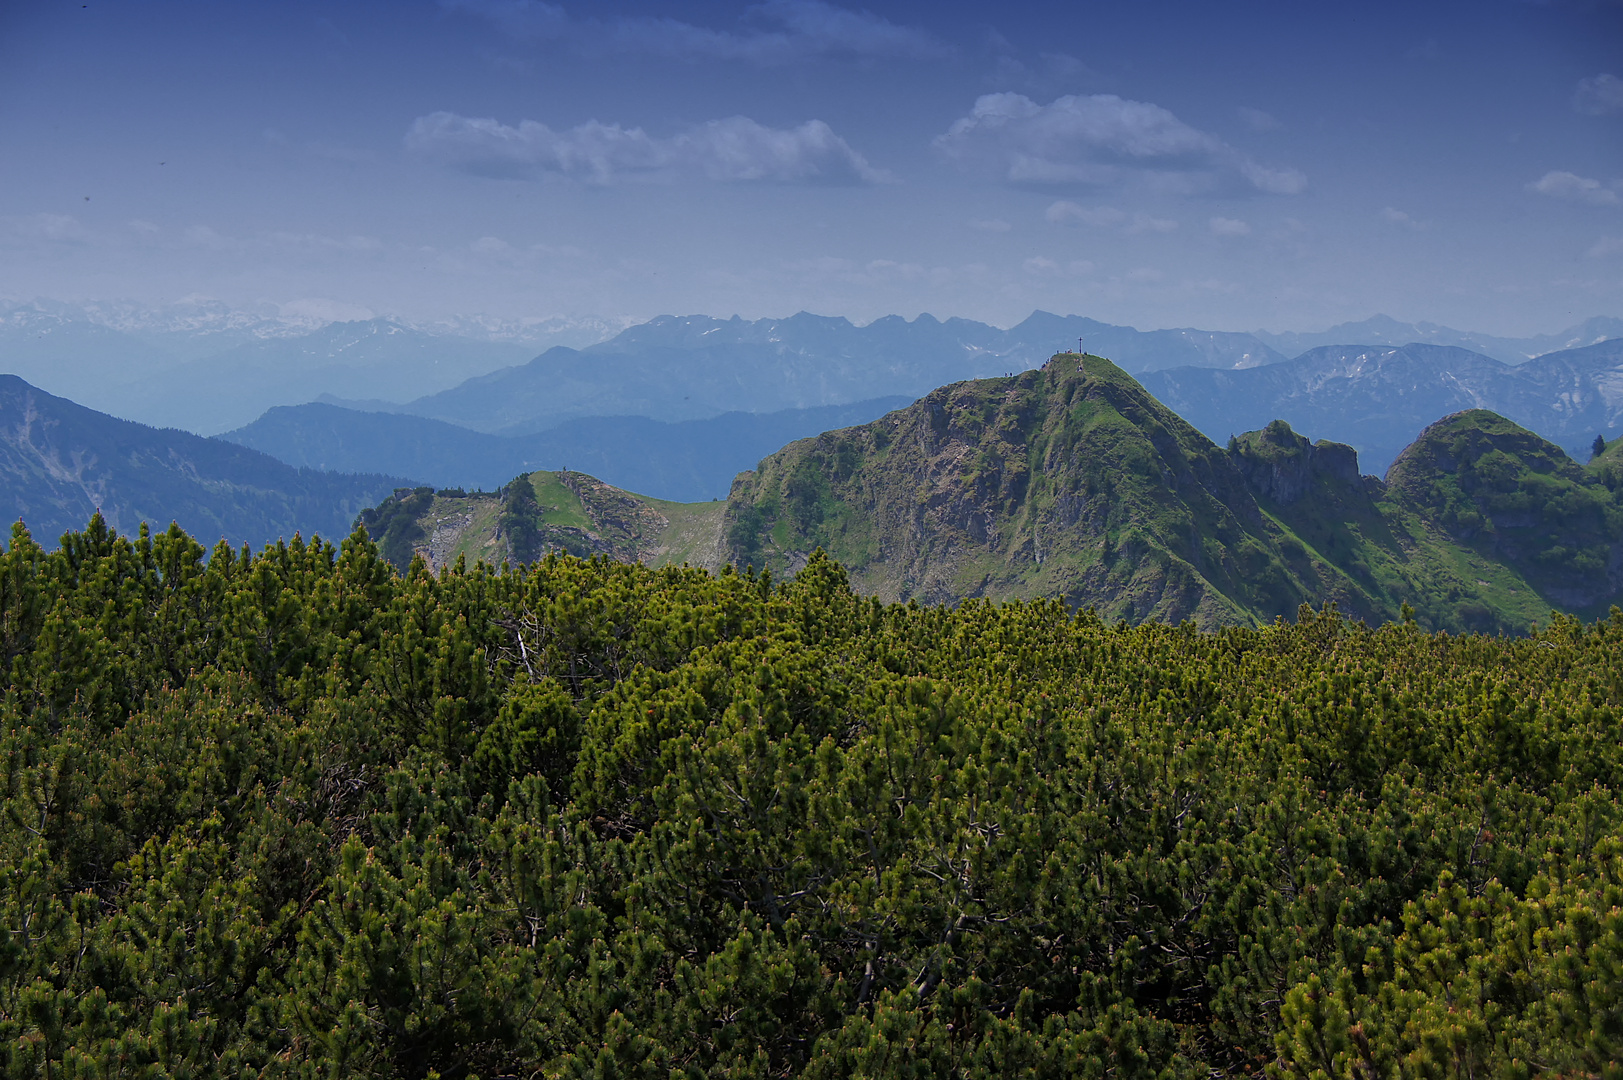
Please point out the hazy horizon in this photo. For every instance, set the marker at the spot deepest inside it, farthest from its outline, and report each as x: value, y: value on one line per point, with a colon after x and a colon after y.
x: 304, y: 316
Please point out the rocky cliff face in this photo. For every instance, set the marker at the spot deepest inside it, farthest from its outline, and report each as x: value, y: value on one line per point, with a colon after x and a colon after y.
x: 1281, y: 465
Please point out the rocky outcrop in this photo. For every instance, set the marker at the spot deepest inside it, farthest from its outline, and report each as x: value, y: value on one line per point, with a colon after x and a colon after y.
x: 1283, y: 466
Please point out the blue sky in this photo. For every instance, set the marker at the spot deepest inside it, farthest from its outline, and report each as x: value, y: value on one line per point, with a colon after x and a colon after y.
x: 1227, y: 166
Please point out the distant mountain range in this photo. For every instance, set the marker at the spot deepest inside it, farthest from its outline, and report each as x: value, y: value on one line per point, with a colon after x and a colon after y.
x: 677, y: 406
x: 61, y: 462
x: 1378, y: 399
x: 686, y: 461
x: 693, y: 367
x: 684, y: 368
x: 1381, y: 330
x: 206, y: 369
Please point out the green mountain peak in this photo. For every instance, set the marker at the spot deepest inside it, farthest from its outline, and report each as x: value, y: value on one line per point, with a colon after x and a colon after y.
x: 1073, y: 482
x: 1504, y: 491
x: 1067, y: 481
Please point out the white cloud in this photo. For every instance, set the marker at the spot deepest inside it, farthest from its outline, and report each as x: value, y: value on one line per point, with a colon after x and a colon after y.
x: 1048, y: 73
x: 1599, y: 95
x: 1222, y: 226
x: 206, y: 237
x: 740, y: 149
x: 57, y: 228
x: 1146, y: 223
x: 1101, y: 139
x: 1273, y: 181
x: 1065, y: 212
x: 825, y: 28
x: 788, y: 31
x: 1574, y: 188
x: 735, y: 149
x: 1043, y: 266
x: 1399, y: 217
x: 1068, y: 213
x: 1606, y: 247
x: 349, y: 245
x: 1257, y: 120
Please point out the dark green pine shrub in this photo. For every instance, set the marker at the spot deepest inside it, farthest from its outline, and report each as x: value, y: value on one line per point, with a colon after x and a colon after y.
x: 295, y: 814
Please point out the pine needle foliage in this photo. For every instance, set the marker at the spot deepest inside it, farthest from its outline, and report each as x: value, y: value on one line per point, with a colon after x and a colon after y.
x: 292, y: 813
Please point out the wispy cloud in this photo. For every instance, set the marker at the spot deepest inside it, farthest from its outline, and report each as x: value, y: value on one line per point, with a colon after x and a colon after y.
x: 1222, y: 226
x: 1102, y: 139
x: 1599, y: 95
x: 54, y: 228
x: 1065, y: 212
x: 64, y: 229
x: 1574, y: 188
x: 736, y: 149
x: 1047, y: 73
x: 1401, y: 218
x: 1606, y: 247
x: 1043, y: 266
x: 776, y: 32
x: 1257, y: 120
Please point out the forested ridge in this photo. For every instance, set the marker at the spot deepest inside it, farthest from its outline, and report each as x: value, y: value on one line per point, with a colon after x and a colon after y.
x: 293, y: 813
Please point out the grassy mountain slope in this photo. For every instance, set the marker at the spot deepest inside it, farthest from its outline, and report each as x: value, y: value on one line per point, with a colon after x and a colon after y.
x: 1068, y: 481
x: 61, y: 462
x: 1074, y: 482
x: 1505, y: 493
x: 541, y: 512
x: 1392, y: 550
